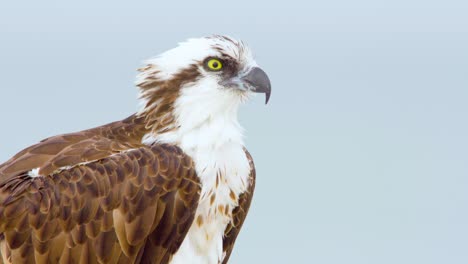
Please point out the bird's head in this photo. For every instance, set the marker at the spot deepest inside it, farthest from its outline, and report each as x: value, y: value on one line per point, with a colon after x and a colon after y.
x: 199, y: 80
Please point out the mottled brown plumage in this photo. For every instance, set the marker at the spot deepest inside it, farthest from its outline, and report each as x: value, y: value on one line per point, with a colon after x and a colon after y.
x: 123, y: 205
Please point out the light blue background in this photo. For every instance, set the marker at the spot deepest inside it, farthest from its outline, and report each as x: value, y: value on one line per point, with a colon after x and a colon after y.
x: 362, y: 153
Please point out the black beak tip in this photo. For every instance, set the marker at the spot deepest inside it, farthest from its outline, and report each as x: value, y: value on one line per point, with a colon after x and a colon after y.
x: 267, y: 97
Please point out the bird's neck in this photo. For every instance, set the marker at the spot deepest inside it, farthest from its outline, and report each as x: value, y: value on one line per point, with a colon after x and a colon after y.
x: 207, y: 123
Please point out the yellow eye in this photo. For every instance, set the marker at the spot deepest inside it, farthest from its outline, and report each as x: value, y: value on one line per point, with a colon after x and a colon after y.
x: 214, y: 64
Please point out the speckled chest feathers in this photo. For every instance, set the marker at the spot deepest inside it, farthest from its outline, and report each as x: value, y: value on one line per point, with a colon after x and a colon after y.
x: 223, y: 169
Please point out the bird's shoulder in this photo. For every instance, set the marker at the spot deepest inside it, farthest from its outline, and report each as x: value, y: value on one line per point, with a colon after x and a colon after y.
x: 67, y: 150
x: 124, y: 202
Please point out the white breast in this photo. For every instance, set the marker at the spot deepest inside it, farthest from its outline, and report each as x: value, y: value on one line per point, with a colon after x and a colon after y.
x: 224, y: 175
x: 223, y: 168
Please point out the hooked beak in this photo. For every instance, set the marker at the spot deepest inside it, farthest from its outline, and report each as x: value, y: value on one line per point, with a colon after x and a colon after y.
x: 256, y: 80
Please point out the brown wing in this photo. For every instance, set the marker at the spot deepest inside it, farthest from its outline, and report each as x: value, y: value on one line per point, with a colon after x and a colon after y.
x: 130, y: 207
x: 239, y: 214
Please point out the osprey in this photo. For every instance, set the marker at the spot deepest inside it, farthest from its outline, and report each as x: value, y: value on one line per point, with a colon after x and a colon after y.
x: 170, y: 184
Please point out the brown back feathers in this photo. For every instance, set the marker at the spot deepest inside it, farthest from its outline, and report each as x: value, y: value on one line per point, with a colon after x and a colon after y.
x: 103, y: 197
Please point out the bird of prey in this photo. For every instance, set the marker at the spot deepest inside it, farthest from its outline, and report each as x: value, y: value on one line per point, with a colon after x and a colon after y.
x: 172, y: 183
